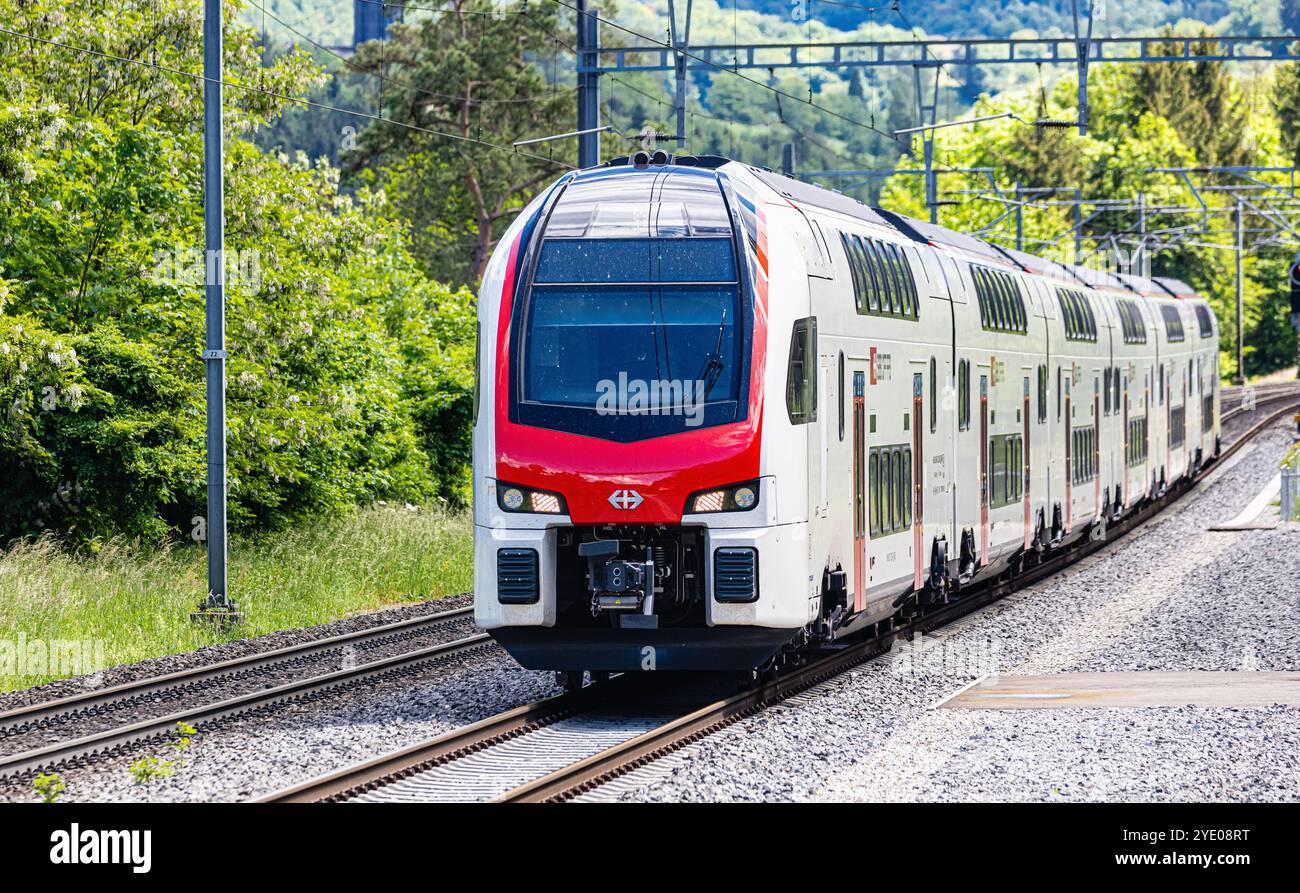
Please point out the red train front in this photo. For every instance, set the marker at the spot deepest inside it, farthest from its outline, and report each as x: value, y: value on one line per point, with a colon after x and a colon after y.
x: 624, y: 514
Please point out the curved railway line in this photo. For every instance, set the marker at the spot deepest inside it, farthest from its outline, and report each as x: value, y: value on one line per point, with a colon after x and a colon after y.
x: 561, y: 747
x: 103, y: 723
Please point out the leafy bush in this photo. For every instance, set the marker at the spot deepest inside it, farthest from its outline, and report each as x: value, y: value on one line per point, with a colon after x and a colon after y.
x: 349, y: 377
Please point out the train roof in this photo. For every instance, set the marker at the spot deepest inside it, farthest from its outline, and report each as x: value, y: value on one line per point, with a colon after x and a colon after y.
x: 798, y: 192
x: 809, y: 194
x: 1143, y: 285
x: 1176, y: 287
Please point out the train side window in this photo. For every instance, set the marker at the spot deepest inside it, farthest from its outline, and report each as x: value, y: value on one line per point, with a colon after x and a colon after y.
x: 900, y: 289
x: 882, y: 271
x: 855, y: 273
x: 840, y: 394
x: 1042, y: 394
x: 1106, y: 401
x: 1058, y: 393
x: 887, y: 496
x: 904, y: 460
x: 478, y: 346
x: 870, y: 279
x: 874, y: 477
x: 963, y: 395
x: 1161, y: 385
x: 801, y: 373
x: 934, y: 393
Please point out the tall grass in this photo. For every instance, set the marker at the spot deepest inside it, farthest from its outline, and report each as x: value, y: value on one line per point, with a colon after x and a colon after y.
x: 136, y: 602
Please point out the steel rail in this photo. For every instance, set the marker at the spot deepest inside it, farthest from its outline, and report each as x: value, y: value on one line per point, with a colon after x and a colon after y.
x: 117, y: 740
x: 41, y: 714
x: 592, y: 771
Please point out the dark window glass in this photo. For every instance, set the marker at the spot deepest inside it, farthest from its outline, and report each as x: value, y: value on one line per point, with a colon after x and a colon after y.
x: 934, y: 393
x: 963, y: 395
x: 577, y: 339
x: 904, y: 460
x: 878, y: 286
x: 843, y: 397
x: 801, y: 373
x: 636, y: 260
x: 887, y: 479
x: 875, y: 492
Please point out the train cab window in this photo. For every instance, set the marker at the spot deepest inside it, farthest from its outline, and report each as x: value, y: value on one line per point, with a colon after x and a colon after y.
x: 801, y: 373
x: 664, y: 309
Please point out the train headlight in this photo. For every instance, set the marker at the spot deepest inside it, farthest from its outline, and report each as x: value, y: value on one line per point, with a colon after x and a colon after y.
x: 735, y: 498
x: 512, y: 498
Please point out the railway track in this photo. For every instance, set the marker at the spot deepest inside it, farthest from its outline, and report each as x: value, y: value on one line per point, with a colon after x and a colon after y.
x: 1232, y: 405
x: 97, y: 724
x: 561, y: 747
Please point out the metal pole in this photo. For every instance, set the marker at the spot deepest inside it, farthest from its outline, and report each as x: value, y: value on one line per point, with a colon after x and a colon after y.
x: 1020, y: 221
x: 1083, y: 51
x: 681, y: 46
x: 214, y: 356
x: 1241, y: 343
x: 1078, y: 224
x: 588, y: 86
x: 787, y: 160
x: 1144, y: 261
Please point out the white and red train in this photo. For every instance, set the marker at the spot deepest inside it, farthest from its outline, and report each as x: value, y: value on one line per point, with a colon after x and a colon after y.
x: 723, y: 416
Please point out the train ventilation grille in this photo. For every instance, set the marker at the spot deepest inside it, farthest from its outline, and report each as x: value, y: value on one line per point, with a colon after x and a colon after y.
x: 517, y: 582
x: 735, y: 575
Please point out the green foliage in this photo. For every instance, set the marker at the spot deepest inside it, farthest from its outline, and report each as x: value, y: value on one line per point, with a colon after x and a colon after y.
x: 1141, y: 117
x: 101, y: 297
x: 149, y: 768
x: 466, y: 73
x: 135, y: 598
x: 49, y: 787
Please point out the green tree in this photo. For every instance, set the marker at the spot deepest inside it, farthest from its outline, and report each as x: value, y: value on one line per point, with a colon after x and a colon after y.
x: 101, y: 296
x: 468, y: 72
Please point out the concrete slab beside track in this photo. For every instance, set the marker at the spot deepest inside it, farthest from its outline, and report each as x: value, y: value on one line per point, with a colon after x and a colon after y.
x: 1143, y: 689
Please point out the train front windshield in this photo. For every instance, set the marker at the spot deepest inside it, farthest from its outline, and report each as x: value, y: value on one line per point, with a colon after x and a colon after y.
x: 635, y: 323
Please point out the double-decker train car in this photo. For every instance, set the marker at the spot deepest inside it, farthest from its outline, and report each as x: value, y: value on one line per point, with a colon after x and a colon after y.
x: 723, y: 417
